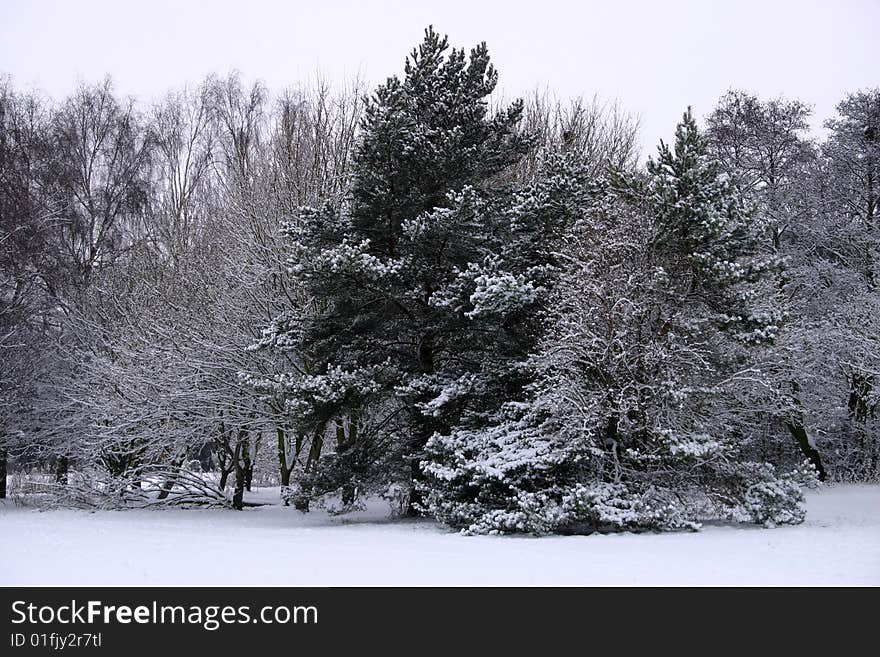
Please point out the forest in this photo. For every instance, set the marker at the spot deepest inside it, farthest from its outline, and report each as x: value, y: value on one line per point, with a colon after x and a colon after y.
x: 490, y: 313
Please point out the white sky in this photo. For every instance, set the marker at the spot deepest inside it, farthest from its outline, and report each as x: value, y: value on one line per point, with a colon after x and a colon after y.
x: 654, y: 57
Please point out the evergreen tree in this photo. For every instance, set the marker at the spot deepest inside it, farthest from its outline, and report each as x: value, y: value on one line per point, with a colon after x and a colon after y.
x: 381, y: 338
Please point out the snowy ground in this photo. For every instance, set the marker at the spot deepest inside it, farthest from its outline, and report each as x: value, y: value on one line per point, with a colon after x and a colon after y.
x: 839, y: 544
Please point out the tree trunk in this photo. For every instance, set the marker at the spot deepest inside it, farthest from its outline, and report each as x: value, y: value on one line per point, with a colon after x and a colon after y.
x: 314, y: 451
x: 168, y: 484
x: 415, y: 497
x: 224, y: 477
x: 248, y: 465
x: 282, y: 464
x: 224, y: 462
x: 238, y: 493
x: 237, y: 462
x: 301, y: 502
x: 62, y: 467
x: 248, y: 475
x: 343, y: 442
x: 424, y: 427
x: 800, y: 435
x: 3, y: 457
x: 796, y: 428
x: 350, y: 493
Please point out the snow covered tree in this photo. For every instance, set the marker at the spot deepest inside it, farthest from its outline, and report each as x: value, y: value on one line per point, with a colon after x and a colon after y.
x: 25, y: 214
x: 762, y: 146
x: 375, y: 263
x: 635, y: 417
x: 853, y: 152
x: 849, y: 249
x: 599, y: 134
x: 818, y: 203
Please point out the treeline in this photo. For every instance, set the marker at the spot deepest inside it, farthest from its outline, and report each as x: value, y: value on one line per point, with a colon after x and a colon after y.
x: 492, y: 314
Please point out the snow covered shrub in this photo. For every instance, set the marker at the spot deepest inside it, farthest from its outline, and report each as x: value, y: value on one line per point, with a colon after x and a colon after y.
x: 776, y: 500
x: 521, y: 477
x: 583, y: 509
x: 291, y: 494
x: 614, y: 507
x: 337, y: 505
x: 397, y: 496
x: 533, y: 513
x: 497, y: 479
x: 772, y: 503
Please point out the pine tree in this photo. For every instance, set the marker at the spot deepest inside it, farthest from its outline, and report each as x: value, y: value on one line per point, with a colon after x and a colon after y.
x: 380, y: 339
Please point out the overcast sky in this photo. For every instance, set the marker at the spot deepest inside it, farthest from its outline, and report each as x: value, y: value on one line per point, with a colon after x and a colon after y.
x: 654, y: 57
